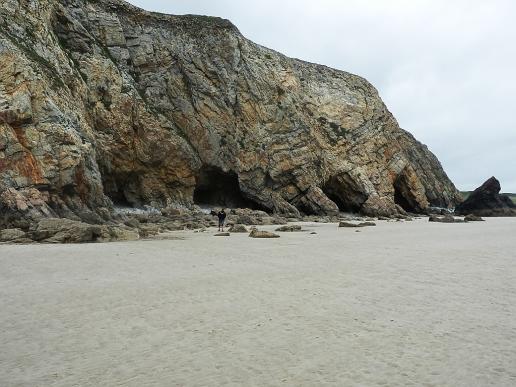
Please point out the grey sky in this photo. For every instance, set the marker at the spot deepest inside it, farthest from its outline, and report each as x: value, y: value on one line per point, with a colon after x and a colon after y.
x: 446, y: 69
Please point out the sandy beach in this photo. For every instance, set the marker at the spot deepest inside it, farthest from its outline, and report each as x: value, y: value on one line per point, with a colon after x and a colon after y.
x: 399, y: 304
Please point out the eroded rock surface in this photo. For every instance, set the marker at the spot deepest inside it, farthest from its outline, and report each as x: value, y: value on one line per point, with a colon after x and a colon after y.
x: 102, y: 103
x: 487, y: 201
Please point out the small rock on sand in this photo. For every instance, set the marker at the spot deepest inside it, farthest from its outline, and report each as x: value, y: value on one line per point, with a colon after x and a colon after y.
x: 355, y: 225
x: 473, y: 218
x: 289, y: 228
x: 444, y: 219
x: 255, y: 233
x: 238, y: 228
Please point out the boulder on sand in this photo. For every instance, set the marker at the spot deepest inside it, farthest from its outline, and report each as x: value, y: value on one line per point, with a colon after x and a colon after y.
x: 444, y: 219
x: 238, y: 228
x: 473, y: 218
x: 57, y: 230
x: 355, y: 225
x: 289, y: 228
x: 255, y: 233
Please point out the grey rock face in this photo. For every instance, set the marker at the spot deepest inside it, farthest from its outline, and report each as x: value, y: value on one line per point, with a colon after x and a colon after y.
x: 486, y: 200
x: 102, y: 103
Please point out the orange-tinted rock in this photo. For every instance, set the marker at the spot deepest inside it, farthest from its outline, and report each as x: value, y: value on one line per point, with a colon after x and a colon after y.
x: 135, y: 108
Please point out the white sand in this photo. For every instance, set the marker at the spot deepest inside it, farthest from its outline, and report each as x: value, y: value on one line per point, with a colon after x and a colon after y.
x: 400, y: 304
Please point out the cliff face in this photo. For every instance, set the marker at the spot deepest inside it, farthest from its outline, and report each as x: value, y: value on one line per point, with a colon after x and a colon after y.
x: 101, y: 102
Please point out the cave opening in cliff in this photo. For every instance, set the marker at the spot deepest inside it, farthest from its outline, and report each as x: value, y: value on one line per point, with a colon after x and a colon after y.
x: 221, y: 189
x: 400, y: 200
x: 402, y: 195
x: 119, y: 199
x: 121, y: 189
x: 345, y: 193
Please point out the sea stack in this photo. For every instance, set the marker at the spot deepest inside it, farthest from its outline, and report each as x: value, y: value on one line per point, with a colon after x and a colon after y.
x: 487, y: 201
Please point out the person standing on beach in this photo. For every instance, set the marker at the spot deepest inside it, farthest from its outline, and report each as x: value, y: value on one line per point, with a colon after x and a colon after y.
x: 222, y: 218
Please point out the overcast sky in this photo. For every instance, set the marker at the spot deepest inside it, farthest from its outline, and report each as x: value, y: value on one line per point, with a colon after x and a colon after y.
x: 445, y: 69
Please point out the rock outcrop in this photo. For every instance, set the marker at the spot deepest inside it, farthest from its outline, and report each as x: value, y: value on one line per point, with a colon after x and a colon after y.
x: 445, y: 219
x: 487, y: 201
x: 103, y: 104
x: 473, y: 218
x: 356, y: 225
x: 127, y: 227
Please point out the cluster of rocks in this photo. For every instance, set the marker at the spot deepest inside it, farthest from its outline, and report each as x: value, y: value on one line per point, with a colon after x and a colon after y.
x: 452, y: 219
x: 125, y: 226
x: 131, y: 226
x: 255, y: 233
x: 60, y: 230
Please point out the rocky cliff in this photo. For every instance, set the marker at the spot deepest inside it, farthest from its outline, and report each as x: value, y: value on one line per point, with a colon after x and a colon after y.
x: 102, y: 103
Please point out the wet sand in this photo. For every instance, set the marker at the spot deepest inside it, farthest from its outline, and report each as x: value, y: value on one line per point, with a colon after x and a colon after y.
x: 400, y: 304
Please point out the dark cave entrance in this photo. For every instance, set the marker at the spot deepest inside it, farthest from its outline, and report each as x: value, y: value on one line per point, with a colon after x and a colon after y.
x: 345, y: 193
x: 343, y: 205
x: 119, y: 199
x: 400, y: 200
x: 122, y: 189
x: 402, y: 195
x: 218, y: 188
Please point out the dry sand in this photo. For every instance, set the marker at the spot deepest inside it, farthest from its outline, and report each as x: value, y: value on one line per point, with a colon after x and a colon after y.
x: 400, y: 304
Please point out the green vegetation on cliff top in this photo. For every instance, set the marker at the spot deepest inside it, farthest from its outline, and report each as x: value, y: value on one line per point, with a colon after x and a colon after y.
x: 465, y: 195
